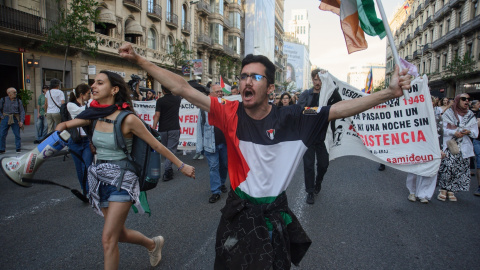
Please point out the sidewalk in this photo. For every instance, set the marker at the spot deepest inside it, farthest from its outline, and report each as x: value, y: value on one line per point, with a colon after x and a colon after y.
x: 28, y: 135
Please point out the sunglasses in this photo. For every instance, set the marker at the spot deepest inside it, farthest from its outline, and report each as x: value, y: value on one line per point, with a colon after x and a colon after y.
x: 464, y: 99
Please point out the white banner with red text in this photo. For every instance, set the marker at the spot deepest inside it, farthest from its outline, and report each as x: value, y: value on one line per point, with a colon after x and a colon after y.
x: 400, y: 133
x: 188, y: 116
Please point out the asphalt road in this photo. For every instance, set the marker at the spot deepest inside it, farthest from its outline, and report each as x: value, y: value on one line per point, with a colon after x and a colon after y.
x: 361, y: 220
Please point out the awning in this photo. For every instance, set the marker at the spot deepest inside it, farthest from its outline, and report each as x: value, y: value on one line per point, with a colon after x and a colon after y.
x: 133, y: 28
x: 107, y: 17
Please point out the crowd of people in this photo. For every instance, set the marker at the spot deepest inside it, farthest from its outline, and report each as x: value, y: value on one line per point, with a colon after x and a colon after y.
x: 236, y: 138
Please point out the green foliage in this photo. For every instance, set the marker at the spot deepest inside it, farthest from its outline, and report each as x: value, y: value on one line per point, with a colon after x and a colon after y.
x: 459, y: 68
x: 287, y: 86
x: 179, y: 56
x: 26, y: 96
x: 72, y: 29
x: 379, y: 87
x: 226, y: 65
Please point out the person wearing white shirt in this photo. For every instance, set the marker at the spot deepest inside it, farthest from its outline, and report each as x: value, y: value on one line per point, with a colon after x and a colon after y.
x: 54, y: 98
x: 81, y: 146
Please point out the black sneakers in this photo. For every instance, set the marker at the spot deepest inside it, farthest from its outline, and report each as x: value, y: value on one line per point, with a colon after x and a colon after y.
x: 214, y: 198
x: 381, y: 167
x: 223, y: 188
x: 310, y: 198
x: 168, y: 175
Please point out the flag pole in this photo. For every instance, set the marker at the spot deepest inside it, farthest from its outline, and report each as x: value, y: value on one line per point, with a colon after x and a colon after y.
x: 389, y: 33
x: 390, y: 38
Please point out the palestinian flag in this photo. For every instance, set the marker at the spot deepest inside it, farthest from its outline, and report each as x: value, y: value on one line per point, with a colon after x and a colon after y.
x: 225, y: 87
x: 356, y: 17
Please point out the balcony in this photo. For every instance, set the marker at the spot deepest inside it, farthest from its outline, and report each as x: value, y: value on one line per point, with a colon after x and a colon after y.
x: 456, y: 3
x: 417, y: 31
x: 234, y: 5
x: 409, y: 37
x: 203, y: 8
x: 428, y: 22
x: 427, y: 47
x: 401, y: 44
x: 409, y: 19
x: 471, y: 25
x: 24, y: 22
x: 426, y: 3
x: 154, y: 11
x: 441, y: 13
x: 416, y: 53
x: 216, y: 16
x: 228, y: 50
x: 408, y: 58
x: 204, y: 40
x: 172, y: 20
x: 217, y: 46
x: 444, y: 40
x: 226, y: 23
x: 279, y: 64
x: 186, y: 28
x: 279, y: 24
x: 418, y: 11
x: 135, y: 5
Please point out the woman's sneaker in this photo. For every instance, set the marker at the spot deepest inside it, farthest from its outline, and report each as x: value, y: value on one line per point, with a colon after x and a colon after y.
x: 156, y: 253
x: 477, y: 192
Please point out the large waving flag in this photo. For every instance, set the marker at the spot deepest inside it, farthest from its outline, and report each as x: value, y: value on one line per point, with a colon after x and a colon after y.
x: 369, y: 82
x: 225, y: 87
x: 356, y: 17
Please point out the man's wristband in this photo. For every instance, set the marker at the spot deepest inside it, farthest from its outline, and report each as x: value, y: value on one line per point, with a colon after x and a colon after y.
x: 181, y: 167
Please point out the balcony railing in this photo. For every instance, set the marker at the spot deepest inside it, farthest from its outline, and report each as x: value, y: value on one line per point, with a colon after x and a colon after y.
x: 427, y: 47
x: 427, y: 2
x: 172, y: 19
x: 228, y: 50
x: 25, y: 22
x: 455, y: 3
x: 417, y: 31
x: 133, y: 4
x: 409, y: 37
x: 154, y: 11
x: 227, y: 23
x: 428, y: 21
x: 203, y: 8
x: 204, y: 39
x: 419, y: 9
x: 441, y: 12
x: 443, y: 40
x: 186, y: 27
x: 408, y: 57
x: 279, y: 24
x: 402, y: 43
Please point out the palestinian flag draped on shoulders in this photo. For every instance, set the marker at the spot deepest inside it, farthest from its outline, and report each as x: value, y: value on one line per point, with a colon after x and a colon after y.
x: 225, y: 87
x: 356, y: 18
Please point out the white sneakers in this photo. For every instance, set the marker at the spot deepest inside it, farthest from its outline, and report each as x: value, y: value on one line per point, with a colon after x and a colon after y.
x: 412, y: 198
x: 156, y: 253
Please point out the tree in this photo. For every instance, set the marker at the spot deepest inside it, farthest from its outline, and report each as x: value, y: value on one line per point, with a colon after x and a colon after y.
x: 287, y: 86
x: 72, y: 30
x: 179, y: 55
x: 226, y: 65
x: 458, y: 69
x: 380, y: 86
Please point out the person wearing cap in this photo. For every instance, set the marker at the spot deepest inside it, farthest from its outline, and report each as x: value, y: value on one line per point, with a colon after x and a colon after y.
x: 41, y: 121
x: 54, y: 98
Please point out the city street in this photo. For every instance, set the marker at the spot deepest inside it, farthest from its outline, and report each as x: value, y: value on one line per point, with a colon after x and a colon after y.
x: 361, y: 220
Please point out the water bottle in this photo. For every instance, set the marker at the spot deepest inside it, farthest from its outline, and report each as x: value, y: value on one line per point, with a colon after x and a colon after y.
x: 154, y: 169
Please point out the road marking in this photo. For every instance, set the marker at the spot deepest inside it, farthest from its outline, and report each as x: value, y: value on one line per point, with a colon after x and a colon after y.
x: 34, y: 209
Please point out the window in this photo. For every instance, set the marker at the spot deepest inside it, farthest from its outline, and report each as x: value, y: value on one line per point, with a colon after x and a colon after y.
x: 151, y: 6
x: 101, y: 28
x: 185, y: 49
x: 469, y: 50
x: 184, y: 16
x: 216, y: 33
x: 170, y: 44
x: 169, y: 7
x: 440, y: 29
x: 152, y: 39
x: 474, y: 9
x: 447, y: 26
x: 235, y: 19
x: 455, y: 53
x: 217, y: 6
x: 438, y: 64
x: 459, y: 19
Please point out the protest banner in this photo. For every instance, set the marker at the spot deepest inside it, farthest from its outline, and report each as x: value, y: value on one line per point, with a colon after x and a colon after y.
x: 188, y: 117
x: 400, y: 133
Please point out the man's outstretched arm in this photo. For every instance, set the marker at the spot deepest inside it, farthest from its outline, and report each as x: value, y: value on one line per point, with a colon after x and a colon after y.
x: 172, y: 81
x: 400, y: 81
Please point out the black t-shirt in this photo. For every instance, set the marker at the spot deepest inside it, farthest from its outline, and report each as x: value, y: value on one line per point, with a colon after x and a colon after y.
x: 219, y: 137
x: 168, y: 106
x: 314, y: 102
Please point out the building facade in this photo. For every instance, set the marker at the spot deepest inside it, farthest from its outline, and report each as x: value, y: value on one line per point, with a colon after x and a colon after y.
x: 357, y: 75
x: 212, y: 29
x: 431, y: 34
x: 280, y: 57
x: 299, y: 26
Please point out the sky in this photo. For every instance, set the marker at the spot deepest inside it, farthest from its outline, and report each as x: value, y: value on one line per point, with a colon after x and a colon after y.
x: 327, y: 48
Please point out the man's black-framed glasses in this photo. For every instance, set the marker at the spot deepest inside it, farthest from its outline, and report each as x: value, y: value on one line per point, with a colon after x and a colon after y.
x: 255, y: 77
